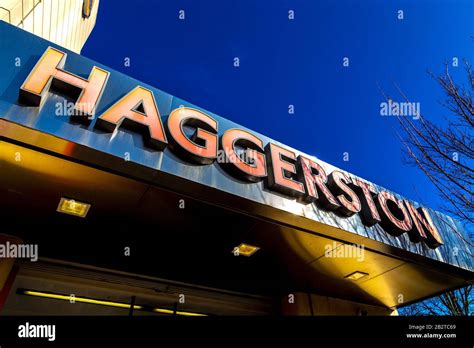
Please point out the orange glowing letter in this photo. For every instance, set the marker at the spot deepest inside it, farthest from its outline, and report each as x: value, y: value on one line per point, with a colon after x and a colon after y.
x: 338, y: 184
x: 201, y: 147
x: 282, y: 171
x: 394, y: 216
x: 423, y: 227
x: 252, y: 167
x: 137, y: 111
x: 48, y: 73
x: 365, y: 190
x: 315, y: 179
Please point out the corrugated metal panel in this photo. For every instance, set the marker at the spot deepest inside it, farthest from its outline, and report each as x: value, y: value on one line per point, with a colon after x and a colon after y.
x: 59, y: 21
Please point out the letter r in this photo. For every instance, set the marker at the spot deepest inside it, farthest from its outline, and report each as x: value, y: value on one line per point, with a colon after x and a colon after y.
x: 48, y: 73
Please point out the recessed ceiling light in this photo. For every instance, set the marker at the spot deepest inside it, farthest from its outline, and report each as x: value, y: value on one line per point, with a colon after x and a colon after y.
x: 245, y: 250
x: 356, y: 275
x: 73, y: 207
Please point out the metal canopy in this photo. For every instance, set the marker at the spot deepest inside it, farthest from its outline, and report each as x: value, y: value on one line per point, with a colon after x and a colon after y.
x: 134, y: 192
x: 193, y: 244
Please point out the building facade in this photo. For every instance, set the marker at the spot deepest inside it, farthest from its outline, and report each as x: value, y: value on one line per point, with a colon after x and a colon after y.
x: 119, y: 198
x: 67, y: 23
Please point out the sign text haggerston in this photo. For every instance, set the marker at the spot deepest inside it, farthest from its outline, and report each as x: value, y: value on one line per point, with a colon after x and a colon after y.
x: 280, y: 168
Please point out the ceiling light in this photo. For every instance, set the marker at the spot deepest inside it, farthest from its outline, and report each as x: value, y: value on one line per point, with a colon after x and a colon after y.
x: 169, y: 311
x: 356, y: 275
x: 78, y: 299
x: 245, y: 250
x: 73, y: 207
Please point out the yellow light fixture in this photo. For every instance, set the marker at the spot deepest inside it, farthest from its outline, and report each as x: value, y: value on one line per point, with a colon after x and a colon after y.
x: 79, y: 299
x: 168, y: 311
x: 245, y: 250
x: 164, y: 311
x: 356, y: 275
x: 73, y: 207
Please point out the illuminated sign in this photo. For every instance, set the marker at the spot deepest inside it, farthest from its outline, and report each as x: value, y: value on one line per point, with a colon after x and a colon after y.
x: 194, y: 136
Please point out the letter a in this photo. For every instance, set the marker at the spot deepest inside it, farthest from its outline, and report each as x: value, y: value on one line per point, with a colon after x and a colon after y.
x: 137, y: 111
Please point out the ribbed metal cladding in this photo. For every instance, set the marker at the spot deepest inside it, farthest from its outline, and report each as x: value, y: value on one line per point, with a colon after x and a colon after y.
x: 59, y: 21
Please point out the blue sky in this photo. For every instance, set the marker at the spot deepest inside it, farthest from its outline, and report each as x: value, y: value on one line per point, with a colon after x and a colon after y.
x: 298, y: 62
